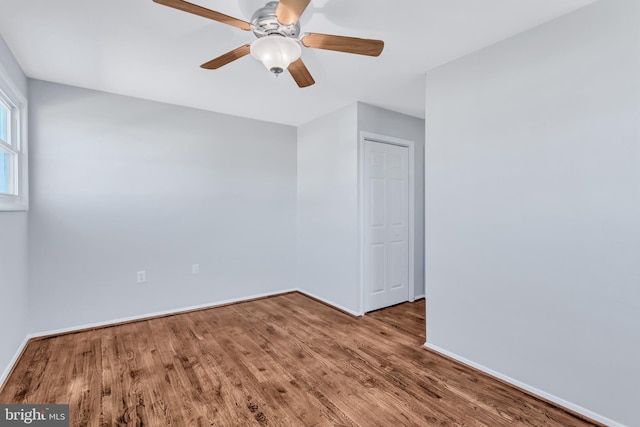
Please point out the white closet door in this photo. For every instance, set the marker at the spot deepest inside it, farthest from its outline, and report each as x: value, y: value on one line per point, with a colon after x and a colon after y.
x: 386, y: 215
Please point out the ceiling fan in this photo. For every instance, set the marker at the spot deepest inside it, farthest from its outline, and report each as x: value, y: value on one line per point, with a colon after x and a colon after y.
x: 278, y: 44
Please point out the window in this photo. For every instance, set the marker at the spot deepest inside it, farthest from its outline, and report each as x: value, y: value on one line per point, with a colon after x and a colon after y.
x: 7, y: 154
x: 13, y: 147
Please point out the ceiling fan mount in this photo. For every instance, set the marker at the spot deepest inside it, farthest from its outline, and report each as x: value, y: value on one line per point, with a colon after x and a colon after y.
x: 279, y: 40
x: 264, y: 22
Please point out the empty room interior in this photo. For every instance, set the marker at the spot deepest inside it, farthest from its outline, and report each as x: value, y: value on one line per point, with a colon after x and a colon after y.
x: 320, y: 212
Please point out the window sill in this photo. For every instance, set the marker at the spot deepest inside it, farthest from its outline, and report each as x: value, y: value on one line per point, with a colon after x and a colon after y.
x: 13, y: 204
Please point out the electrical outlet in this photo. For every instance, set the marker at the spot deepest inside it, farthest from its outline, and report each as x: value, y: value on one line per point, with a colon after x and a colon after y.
x: 195, y: 269
x: 141, y: 276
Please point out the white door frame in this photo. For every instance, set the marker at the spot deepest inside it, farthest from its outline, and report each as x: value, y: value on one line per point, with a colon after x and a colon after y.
x: 384, y: 139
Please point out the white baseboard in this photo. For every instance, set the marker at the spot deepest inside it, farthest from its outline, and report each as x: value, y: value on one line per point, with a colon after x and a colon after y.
x: 417, y: 297
x: 331, y: 303
x: 576, y: 408
x: 13, y: 361
x: 155, y: 314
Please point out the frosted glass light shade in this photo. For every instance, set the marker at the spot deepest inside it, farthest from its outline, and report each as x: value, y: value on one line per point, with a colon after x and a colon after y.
x: 276, y: 52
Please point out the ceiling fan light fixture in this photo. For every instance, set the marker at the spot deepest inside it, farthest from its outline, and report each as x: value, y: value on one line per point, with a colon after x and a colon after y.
x: 276, y: 52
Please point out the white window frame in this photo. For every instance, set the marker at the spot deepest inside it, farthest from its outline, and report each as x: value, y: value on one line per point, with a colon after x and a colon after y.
x: 13, y: 97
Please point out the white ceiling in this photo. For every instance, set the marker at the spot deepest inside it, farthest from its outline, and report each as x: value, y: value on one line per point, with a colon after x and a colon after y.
x: 142, y: 49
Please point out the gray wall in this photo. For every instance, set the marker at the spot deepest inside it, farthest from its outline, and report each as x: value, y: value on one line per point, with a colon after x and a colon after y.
x: 328, y: 256
x: 13, y: 287
x: 122, y: 184
x: 390, y: 123
x: 533, y: 208
x: 12, y: 68
x: 13, y: 253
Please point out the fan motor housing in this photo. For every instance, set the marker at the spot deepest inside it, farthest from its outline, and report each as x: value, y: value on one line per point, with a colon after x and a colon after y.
x: 265, y: 23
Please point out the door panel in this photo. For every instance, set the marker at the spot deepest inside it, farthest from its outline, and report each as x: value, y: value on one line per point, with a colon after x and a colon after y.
x: 377, y: 202
x: 396, y: 188
x: 378, y: 259
x: 386, y: 239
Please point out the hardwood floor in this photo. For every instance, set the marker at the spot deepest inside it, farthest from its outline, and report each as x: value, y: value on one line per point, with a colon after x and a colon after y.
x: 282, y: 361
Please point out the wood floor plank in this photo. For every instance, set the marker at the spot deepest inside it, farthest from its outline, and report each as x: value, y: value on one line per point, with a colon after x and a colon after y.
x: 287, y: 360
x: 359, y: 358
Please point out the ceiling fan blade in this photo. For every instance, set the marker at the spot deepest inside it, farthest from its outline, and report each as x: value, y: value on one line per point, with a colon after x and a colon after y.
x: 207, y: 13
x: 228, y: 57
x: 289, y: 11
x: 300, y: 74
x: 343, y: 44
